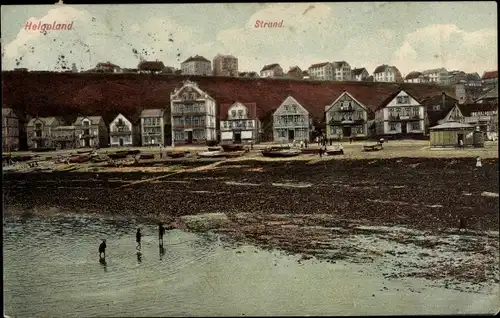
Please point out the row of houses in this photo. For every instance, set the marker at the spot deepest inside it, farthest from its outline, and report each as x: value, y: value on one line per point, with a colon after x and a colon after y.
x: 195, y: 117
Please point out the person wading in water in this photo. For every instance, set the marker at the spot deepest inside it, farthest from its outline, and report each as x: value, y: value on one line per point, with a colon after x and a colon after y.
x: 138, y: 239
x: 161, y: 232
x: 102, y: 250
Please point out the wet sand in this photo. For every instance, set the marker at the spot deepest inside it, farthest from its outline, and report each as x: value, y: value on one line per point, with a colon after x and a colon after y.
x: 336, y: 210
x: 197, y: 275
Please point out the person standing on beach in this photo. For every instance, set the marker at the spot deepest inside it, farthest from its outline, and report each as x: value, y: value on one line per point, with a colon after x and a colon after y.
x: 161, y: 231
x: 138, y: 239
x: 102, y: 250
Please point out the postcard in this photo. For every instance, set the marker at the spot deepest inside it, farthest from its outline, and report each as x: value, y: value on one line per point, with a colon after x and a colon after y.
x: 250, y: 159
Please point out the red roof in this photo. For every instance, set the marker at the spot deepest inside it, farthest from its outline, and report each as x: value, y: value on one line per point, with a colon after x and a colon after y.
x: 490, y: 75
x: 253, y: 110
x: 49, y: 94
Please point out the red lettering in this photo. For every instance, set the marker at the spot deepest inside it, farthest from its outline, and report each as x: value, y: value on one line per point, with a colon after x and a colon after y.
x: 27, y: 26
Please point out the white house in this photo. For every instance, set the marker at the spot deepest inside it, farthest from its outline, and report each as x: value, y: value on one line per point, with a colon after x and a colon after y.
x: 437, y: 75
x: 341, y: 71
x: 239, y: 123
x: 346, y: 117
x: 401, y: 115
x: 386, y: 73
x: 153, y: 129
x: 193, y: 115
x: 321, y: 71
x: 291, y: 121
x: 359, y: 74
x: 122, y: 132
x: 272, y: 70
x: 196, y: 65
x: 91, y: 131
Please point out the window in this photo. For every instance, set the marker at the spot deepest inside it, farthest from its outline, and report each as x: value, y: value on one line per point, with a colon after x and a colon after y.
x: 415, y: 126
x: 416, y: 111
x: 233, y: 113
x: 437, y: 107
x: 184, y: 96
x: 407, y: 111
x: 240, y: 113
x: 392, y: 127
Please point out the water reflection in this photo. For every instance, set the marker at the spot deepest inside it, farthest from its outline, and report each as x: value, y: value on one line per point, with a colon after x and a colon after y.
x: 104, y: 264
x: 162, y: 251
x: 50, y: 271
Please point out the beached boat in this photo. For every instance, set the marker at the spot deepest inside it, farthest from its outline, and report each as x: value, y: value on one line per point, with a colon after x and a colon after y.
x: 176, y: 154
x: 233, y: 154
x: 133, y: 152
x: 119, y: 154
x: 333, y: 151
x: 79, y: 159
x: 143, y: 156
x: 84, y: 151
x: 374, y: 147
x: 43, y: 149
x: 21, y: 158
x: 233, y: 147
x: 276, y: 153
x: 309, y: 151
x: 214, y: 148
x: 212, y: 154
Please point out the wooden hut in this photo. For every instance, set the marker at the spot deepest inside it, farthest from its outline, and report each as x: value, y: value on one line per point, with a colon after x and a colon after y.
x: 449, y: 134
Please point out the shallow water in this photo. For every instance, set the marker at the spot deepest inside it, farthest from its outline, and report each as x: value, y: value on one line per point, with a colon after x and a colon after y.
x: 51, y: 269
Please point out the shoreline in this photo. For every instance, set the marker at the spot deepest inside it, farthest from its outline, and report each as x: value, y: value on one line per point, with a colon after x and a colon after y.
x: 401, y: 214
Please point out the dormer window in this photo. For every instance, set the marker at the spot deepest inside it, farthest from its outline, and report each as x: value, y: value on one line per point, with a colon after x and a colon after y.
x: 184, y: 96
x: 86, y: 123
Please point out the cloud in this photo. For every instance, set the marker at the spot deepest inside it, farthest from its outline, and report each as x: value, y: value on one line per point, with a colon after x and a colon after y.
x: 370, y: 49
x: 445, y: 45
x: 94, y: 40
x: 307, y: 36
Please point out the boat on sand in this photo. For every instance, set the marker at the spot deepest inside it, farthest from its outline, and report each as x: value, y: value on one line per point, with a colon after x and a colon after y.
x: 277, y: 152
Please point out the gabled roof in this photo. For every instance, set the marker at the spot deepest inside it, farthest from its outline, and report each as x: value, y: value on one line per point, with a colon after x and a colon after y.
x: 48, y: 121
x: 472, y: 77
x: 434, y: 70
x: 270, y: 67
x: 151, y: 66
x: 491, y: 94
x: 295, y: 69
x: 196, y: 58
x: 339, y: 64
x: 327, y: 108
x: 358, y: 71
x: 152, y: 113
x: 121, y: 116
x: 94, y: 120
x: 319, y: 65
x: 394, y: 95
x: 7, y: 112
x: 451, y: 125
x: 295, y: 100
x: 412, y: 75
x: 490, y: 75
x: 252, y: 110
x: 468, y: 109
x: 106, y: 65
x: 380, y: 69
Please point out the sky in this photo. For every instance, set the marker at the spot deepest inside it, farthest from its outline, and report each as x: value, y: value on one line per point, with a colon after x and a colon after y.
x: 413, y: 36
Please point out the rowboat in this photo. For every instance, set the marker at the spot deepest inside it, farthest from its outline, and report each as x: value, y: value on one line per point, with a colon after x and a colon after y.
x: 84, y: 151
x: 214, y: 148
x: 176, y: 154
x: 119, y: 154
x: 232, y: 147
x: 147, y: 156
x: 334, y: 151
x: 276, y: 153
x: 79, y: 159
x: 211, y: 154
x: 133, y: 152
